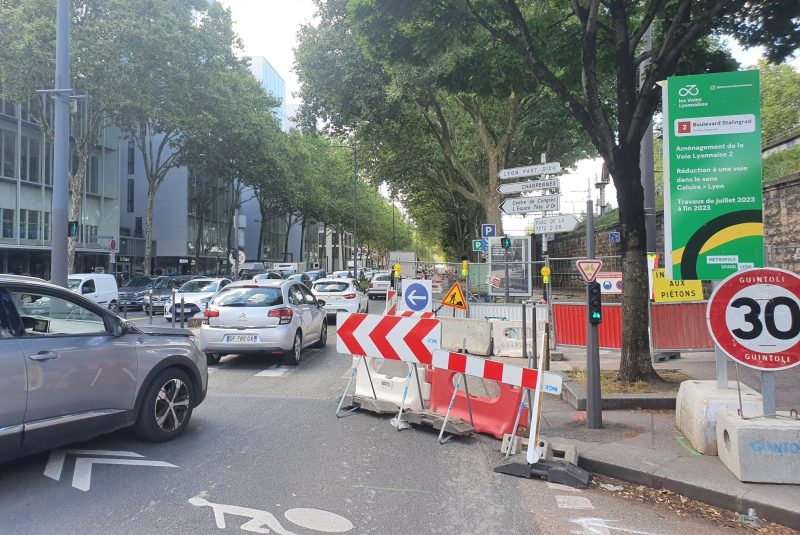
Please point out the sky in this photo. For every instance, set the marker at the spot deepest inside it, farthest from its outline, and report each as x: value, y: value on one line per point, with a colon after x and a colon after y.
x: 269, y: 28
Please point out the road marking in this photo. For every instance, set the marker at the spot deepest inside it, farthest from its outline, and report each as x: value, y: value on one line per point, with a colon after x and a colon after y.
x: 598, y: 526
x: 684, y: 443
x: 573, y: 502
x: 419, y: 491
x: 82, y: 476
x: 560, y: 487
x: 264, y: 521
x: 278, y: 371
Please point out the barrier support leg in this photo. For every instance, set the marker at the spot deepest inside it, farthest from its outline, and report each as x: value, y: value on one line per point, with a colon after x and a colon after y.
x: 447, y: 414
x: 469, y: 403
x: 369, y: 376
x: 419, y: 388
x: 516, y: 423
x: 340, y: 414
x: 398, y: 421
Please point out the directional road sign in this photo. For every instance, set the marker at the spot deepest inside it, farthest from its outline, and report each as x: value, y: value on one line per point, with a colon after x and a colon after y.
x: 531, y: 185
x: 589, y: 268
x: 523, y: 205
x: 388, y: 337
x: 488, y: 230
x: 417, y: 296
x: 613, y: 237
x: 530, y: 170
x: 754, y: 317
x: 555, y: 223
x: 480, y: 245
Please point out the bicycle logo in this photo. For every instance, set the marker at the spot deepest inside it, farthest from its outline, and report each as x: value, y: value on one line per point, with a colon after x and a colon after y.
x: 688, y: 91
x: 263, y: 521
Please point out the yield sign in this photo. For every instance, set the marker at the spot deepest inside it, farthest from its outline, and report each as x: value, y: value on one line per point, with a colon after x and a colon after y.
x: 589, y: 268
x: 388, y: 337
x: 455, y: 298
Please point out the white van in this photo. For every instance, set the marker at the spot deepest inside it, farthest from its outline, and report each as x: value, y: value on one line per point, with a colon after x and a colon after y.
x: 99, y: 287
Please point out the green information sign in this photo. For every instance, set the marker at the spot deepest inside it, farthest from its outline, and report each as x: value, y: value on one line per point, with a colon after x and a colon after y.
x: 712, y: 161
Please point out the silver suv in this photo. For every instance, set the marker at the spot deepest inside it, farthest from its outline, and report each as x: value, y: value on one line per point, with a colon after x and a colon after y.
x: 71, y: 370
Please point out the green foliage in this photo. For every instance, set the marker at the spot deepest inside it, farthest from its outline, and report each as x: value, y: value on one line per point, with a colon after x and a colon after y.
x: 782, y: 164
x: 780, y: 99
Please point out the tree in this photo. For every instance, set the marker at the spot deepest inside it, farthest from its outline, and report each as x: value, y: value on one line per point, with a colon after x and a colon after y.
x: 780, y: 99
x: 588, y: 53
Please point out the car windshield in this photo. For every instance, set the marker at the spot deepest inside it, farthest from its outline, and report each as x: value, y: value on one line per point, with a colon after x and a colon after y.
x: 198, y: 286
x: 73, y: 284
x: 331, y: 287
x: 137, y: 282
x: 313, y: 276
x: 249, y: 297
x: 383, y: 277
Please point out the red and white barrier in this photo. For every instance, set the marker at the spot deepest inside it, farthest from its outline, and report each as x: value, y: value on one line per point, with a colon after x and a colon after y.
x: 391, y: 303
x: 389, y: 337
x: 486, y: 369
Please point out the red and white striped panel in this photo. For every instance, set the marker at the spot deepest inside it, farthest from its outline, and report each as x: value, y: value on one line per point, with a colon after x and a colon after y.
x: 410, y: 314
x: 391, y: 303
x: 388, y: 337
x: 485, y: 368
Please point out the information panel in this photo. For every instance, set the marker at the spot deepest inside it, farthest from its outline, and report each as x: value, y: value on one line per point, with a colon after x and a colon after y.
x: 712, y: 160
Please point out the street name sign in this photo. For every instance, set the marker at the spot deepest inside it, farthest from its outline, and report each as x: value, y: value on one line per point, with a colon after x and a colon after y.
x: 530, y: 170
x: 417, y: 296
x: 754, y: 318
x: 555, y: 223
x: 713, y: 221
x: 388, y: 337
x: 589, y: 268
x: 531, y: 185
x: 524, y: 205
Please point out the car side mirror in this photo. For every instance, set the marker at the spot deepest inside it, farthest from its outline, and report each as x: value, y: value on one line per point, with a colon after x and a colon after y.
x: 320, y: 302
x: 120, y: 326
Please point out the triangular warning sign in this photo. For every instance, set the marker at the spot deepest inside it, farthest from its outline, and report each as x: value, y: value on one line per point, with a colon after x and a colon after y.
x: 589, y: 268
x: 455, y: 298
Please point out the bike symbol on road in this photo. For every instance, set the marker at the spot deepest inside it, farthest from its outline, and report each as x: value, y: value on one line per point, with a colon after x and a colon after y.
x: 263, y: 521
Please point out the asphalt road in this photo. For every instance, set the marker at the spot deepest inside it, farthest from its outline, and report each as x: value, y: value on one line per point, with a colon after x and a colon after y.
x: 265, y: 454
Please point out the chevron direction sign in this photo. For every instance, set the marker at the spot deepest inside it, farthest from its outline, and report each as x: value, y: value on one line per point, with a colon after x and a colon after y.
x: 389, y: 337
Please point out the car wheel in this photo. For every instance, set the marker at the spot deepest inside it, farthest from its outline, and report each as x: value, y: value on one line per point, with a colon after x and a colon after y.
x: 213, y: 358
x: 323, y: 335
x: 292, y: 358
x: 166, y: 407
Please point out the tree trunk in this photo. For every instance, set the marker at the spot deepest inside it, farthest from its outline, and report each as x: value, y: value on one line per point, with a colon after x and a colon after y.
x: 635, y: 362
x: 302, y: 237
x: 263, y: 211
x: 76, y: 190
x: 198, y: 242
x: 148, y: 229
x: 491, y: 203
x: 286, y: 239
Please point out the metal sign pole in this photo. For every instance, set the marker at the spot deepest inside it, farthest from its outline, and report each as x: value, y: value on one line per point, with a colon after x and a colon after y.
x: 506, y: 274
x: 768, y: 393
x: 594, y: 407
x: 720, y: 359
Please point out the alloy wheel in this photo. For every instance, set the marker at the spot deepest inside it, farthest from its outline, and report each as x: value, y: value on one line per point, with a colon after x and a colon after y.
x: 172, y: 405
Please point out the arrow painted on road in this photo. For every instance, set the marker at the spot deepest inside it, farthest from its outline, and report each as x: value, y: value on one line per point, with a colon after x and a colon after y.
x: 82, y: 476
x: 346, y: 333
x: 379, y: 334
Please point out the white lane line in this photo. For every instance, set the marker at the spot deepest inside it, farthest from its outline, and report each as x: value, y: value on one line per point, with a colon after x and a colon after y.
x: 599, y: 526
x: 573, y: 502
x: 560, y: 487
x: 280, y: 371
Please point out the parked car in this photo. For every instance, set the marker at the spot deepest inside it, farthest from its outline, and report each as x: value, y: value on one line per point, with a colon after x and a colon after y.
x: 316, y: 274
x: 341, y: 295
x: 301, y: 278
x: 269, y: 275
x: 247, y: 274
x: 195, y: 295
x: 51, y: 390
x: 340, y: 275
x: 379, y: 285
x: 98, y: 287
x: 273, y: 317
x: 162, y: 292
x: 131, y: 294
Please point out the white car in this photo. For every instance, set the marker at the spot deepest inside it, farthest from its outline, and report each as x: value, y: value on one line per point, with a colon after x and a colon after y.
x: 340, y: 275
x: 98, y: 287
x: 196, y: 294
x: 379, y: 285
x: 340, y: 295
x: 266, y: 317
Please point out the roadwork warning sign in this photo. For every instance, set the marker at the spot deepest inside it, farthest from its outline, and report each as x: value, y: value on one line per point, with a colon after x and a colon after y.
x: 455, y: 298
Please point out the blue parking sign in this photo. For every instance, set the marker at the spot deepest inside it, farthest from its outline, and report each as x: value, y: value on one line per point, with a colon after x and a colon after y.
x: 488, y: 230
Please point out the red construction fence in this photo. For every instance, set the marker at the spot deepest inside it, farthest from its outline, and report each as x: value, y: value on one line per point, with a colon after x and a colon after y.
x: 673, y: 326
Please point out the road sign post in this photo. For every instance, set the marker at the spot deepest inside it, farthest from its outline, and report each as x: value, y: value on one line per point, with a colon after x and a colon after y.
x: 594, y: 408
x: 754, y: 318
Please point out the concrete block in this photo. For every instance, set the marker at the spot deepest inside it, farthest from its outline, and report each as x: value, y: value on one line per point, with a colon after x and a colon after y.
x: 478, y: 334
x: 761, y: 450
x: 507, y: 338
x: 698, y: 404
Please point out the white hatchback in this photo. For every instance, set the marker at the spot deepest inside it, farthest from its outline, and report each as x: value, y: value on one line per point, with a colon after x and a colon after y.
x: 341, y: 295
x: 195, y: 295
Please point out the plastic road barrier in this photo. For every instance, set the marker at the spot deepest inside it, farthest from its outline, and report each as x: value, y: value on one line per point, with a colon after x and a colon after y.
x: 389, y: 380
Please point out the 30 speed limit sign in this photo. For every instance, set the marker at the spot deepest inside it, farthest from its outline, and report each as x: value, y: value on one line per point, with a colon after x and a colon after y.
x: 754, y: 317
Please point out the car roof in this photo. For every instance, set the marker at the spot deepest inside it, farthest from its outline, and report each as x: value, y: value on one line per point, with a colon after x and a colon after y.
x: 28, y: 278
x: 335, y: 279
x: 266, y: 283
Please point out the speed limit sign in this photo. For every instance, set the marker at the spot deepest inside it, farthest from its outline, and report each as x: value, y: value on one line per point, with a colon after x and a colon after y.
x: 754, y: 317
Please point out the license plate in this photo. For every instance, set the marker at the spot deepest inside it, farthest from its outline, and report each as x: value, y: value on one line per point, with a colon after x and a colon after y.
x: 241, y: 338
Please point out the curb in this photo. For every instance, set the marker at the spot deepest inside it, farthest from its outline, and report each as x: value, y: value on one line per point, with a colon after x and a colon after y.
x: 694, y: 486
x: 574, y: 394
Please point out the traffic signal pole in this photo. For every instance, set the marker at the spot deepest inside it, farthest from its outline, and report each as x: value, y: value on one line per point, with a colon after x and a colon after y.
x: 594, y: 407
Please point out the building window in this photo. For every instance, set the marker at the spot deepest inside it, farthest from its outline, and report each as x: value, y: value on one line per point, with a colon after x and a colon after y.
x: 130, y: 195
x: 131, y: 156
x: 7, y: 150
x: 93, y: 180
x: 29, y: 157
x: 137, y: 231
x: 29, y: 224
x: 48, y: 163
x: 7, y: 223
x: 47, y: 236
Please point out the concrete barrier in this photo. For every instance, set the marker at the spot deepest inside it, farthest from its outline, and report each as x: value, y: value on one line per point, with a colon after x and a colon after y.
x: 478, y: 334
x: 698, y: 404
x: 763, y: 450
x: 507, y: 337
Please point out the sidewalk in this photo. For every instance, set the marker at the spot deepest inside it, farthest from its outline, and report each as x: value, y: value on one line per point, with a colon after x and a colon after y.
x: 644, y: 447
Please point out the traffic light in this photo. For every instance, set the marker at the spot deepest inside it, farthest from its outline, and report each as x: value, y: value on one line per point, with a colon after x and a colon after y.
x: 505, y: 243
x: 72, y: 229
x: 595, y: 304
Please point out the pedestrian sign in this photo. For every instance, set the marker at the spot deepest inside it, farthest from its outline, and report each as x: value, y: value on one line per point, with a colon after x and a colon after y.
x: 455, y: 298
